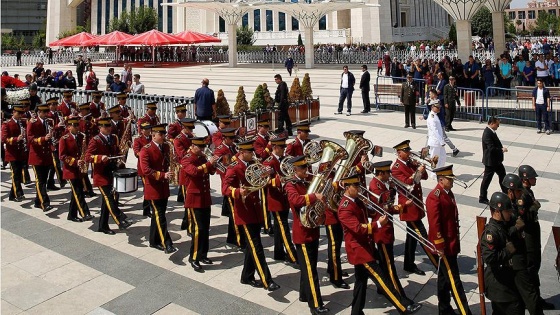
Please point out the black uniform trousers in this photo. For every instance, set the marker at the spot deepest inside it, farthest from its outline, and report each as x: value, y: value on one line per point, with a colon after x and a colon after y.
x: 309, y: 287
x: 411, y: 243
x: 365, y: 100
x: 17, y: 177
x: 487, y: 179
x: 508, y: 308
x: 186, y: 224
x: 158, y: 226
x: 78, y: 201
x: 110, y: 207
x: 284, y: 117
x: 528, y: 291
x: 56, y: 169
x: 283, y: 238
x: 234, y: 236
x: 335, y: 236
x: 25, y: 173
x: 180, y: 195
x: 87, y: 187
x: 254, y: 256
x: 145, y: 203
x: 386, y: 258
x: 373, y: 271
x: 449, y: 284
x: 41, y: 173
x: 267, y: 224
x: 410, y: 115
x: 201, y: 234
x: 450, y: 115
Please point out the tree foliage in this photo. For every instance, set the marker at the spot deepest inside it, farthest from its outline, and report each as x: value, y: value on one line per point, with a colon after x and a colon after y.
x: 453, y: 33
x: 481, y: 23
x: 258, y: 103
x: 299, y: 40
x: 245, y: 36
x: 222, y: 105
x: 241, y: 104
x: 306, y: 90
x: 139, y: 20
x: 545, y: 22
x: 269, y: 101
x: 295, y: 94
x: 9, y: 41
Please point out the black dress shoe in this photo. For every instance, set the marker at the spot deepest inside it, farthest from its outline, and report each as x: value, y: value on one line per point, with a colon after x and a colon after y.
x: 62, y: 184
x: 483, y: 200
x: 206, y: 261
x: 546, y: 305
x: 413, y: 126
x: 406, y: 126
x: 158, y: 247
x: 124, y: 224
x: 53, y: 188
x: 91, y: 194
x: 76, y: 220
x: 170, y: 249
x: 196, y: 266
x: 416, y: 270
x: 88, y: 217
x: 273, y: 286
x: 304, y: 300
x: 341, y: 284
x: 48, y: 208
x: 345, y: 274
x: 254, y: 283
x: 319, y: 310
x: 364, y: 112
x: 413, y: 308
x: 147, y: 215
x: 108, y: 231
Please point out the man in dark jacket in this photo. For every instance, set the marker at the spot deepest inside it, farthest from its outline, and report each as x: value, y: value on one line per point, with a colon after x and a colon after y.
x: 450, y: 102
x: 364, y: 86
x: 492, y: 158
x: 281, y: 100
x: 347, y: 81
x: 409, y: 91
x: 541, y: 104
x: 80, y: 68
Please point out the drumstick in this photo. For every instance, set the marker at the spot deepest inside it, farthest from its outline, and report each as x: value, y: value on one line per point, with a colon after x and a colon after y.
x: 115, y: 157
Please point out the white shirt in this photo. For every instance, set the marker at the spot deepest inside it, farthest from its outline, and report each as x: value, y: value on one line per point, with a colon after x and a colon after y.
x: 435, y: 133
x: 540, y: 96
x: 344, y: 84
x: 137, y: 88
x: 542, y: 65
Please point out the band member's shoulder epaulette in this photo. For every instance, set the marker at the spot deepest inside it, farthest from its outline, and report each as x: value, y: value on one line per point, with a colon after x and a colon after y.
x: 232, y: 164
x: 437, y: 192
x: 397, y: 164
x: 66, y: 136
x: 269, y: 159
x: 345, y: 203
x: 188, y: 155
x: 97, y: 138
x: 179, y: 136
x: 221, y: 146
x: 378, y: 186
x: 147, y: 146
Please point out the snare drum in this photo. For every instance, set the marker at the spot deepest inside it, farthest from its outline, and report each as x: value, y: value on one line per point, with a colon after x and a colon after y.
x: 125, y: 180
x: 204, y: 128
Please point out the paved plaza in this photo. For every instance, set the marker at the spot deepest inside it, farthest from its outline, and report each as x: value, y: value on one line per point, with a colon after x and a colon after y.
x: 54, y: 266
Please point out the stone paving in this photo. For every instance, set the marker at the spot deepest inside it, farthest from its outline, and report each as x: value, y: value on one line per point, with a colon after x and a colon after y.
x: 53, y: 266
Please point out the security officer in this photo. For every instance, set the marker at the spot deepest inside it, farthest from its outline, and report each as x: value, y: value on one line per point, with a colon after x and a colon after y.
x: 522, y: 278
x: 227, y: 153
x: 97, y: 107
x: 13, y: 135
x: 277, y: 205
x: 306, y: 239
x: 497, y: 251
x: 182, y: 143
x: 67, y: 107
x: 443, y: 220
x: 143, y: 139
x: 59, y: 130
x: 295, y: 148
x: 532, y: 229
x: 102, y: 147
x: 404, y: 170
x: 360, y: 250
x: 155, y: 160
x: 248, y: 214
x: 150, y: 116
x: 39, y: 139
x: 175, y: 128
x: 223, y: 122
x: 197, y: 170
x: 70, y: 150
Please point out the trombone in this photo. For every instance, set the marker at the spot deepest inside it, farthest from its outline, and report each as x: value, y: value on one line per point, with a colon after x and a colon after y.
x: 406, y: 190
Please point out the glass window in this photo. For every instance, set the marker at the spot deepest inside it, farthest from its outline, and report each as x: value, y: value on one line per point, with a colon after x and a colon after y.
x: 323, y: 23
x: 295, y: 24
x: 512, y: 15
x: 269, y: 20
x: 169, y: 18
x: 221, y: 25
x: 553, y: 12
x: 115, y: 9
x: 107, y: 14
x: 132, y: 4
x: 151, y: 3
x: 521, y: 15
x: 531, y: 15
x: 281, y: 21
x: 123, y: 7
x: 160, y: 15
x: 257, y: 20
x: 245, y: 20
x: 141, y: 3
x: 99, y: 15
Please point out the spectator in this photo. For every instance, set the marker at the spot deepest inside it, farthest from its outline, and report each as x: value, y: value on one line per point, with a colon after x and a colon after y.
x: 137, y: 87
x: 555, y: 71
x: 28, y: 79
x: 488, y: 77
x: 80, y: 68
x: 471, y: 71
x: 124, y: 73
x: 117, y: 85
x: 92, y: 83
x: 204, y: 102
x: 528, y: 74
x: 69, y: 80
x: 347, y: 81
x: 289, y: 64
x: 380, y: 67
x: 542, y: 69
x: 541, y: 104
x: 18, y: 57
x: 506, y: 75
x: 110, y: 77
x: 520, y: 66
x: 37, y: 70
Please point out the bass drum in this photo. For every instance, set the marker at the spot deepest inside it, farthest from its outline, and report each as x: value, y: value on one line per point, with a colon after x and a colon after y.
x: 204, y: 128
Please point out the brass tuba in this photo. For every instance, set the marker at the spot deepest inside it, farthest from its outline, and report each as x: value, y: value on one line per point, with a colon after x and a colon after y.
x: 354, y: 145
x: 313, y: 215
x: 312, y: 151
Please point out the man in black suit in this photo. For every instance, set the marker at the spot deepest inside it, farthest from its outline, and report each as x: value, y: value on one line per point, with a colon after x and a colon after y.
x: 364, y: 86
x: 492, y: 158
x: 281, y: 100
x: 347, y: 81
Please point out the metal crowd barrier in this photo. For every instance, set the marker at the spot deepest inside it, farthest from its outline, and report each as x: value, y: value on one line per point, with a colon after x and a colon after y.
x: 472, y: 104
x: 10, y: 60
x: 387, y: 90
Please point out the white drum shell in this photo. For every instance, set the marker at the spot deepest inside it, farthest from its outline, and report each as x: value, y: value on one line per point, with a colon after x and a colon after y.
x: 125, y: 184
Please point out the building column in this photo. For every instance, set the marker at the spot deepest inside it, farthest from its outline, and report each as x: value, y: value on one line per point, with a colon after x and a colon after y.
x: 276, y: 21
x: 309, y: 51
x: 179, y: 22
x: 232, y: 44
x: 93, y: 17
x: 499, y: 31
x: 56, y: 25
x: 464, y: 36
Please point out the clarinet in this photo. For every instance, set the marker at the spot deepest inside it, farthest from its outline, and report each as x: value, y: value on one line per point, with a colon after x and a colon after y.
x: 23, y: 132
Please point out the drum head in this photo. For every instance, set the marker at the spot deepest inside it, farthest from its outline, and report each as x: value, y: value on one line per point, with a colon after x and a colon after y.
x: 125, y: 172
x: 200, y: 129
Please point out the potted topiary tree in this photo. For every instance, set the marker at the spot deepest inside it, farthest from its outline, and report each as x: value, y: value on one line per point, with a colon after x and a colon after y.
x: 222, y: 105
x: 258, y: 103
x: 241, y: 104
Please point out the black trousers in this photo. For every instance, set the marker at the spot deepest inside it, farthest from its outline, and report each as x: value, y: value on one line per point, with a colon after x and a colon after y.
x: 158, y: 226
x: 449, y: 116
x: 345, y: 94
x: 109, y: 207
x: 411, y: 243
x: 334, y: 238
x: 372, y: 271
x: 284, y: 117
x: 146, y: 207
x: 283, y: 238
x: 25, y: 173
x: 254, y: 256
x: 181, y: 194
x: 17, y: 177
x: 448, y: 284
x: 56, y: 169
x: 410, y: 115
x: 87, y: 184
x: 234, y: 235
x: 41, y: 173
x: 309, y: 287
x: 201, y: 234
x: 77, y: 200
x: 80, y: 75
x: 487, y: 179
x: 365, y: 100
x: 528, y: 292
x: 387, y: 264
x: 508, y: 308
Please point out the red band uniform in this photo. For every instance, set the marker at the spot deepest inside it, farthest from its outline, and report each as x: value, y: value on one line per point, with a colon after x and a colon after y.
x: 40, y: 155
x: 295, y: 148
x: 181, y: 144
x: 263, y: 149
x: 59, y: 123
x: 16, y: 150
x: 143, y: 139
x: 150, y: 117
x: 174, y: 129
x: 96, y: 106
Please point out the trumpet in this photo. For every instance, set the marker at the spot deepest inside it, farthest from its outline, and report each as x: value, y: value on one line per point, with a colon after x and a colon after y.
x: 406, y: 190
x: 220, y: 166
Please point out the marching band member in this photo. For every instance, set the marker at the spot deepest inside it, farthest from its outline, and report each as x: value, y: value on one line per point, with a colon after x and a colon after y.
x: 13, y: 135
x: 404, y: 170
x: 96, y: 106
x: 306, y: 239
x: 227, y: 152
x: 443, y: 220
x: 197, y: 198
x: 39, y: 139
x: 121, y: 102
x: 58, y: 130
x: 67, y: 107
x: 334, y: 232
x: 262, y: 140
x: 70, y: 150
x: 174, y: 129
x: 384, y: 237
x: 150, y: 116
x: 223, y: 122
x: 155, y: 160
x: 89, y: 128
x: 27, y: 115
x: 100, y: 149
x: 277, y: 205
x: 295, y: 148
x: 360, y: 250
x: 143, y: 139
x: 117, y: 123
x: 248, y: 214
x: 181, y: 144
